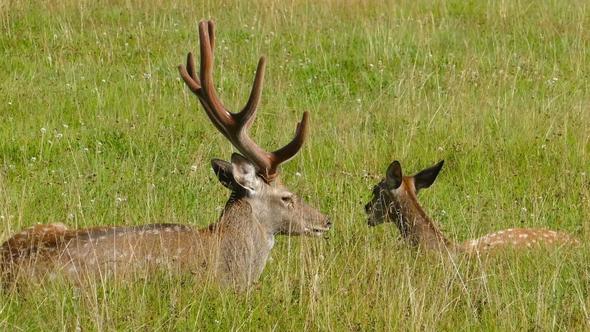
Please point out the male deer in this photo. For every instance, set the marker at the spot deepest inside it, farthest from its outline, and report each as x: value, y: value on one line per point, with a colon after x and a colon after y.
x: 234, y: 249
x: 395, y: 200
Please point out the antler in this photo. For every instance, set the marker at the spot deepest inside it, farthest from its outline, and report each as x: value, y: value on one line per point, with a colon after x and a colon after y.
x: 235, y: 126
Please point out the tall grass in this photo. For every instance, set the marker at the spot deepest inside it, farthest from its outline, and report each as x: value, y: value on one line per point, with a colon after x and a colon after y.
x: 97, y: 129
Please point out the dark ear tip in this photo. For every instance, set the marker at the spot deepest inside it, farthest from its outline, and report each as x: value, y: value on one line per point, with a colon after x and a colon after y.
x: 216, y: 162
x: 236, y: 157
x: 395, y: 167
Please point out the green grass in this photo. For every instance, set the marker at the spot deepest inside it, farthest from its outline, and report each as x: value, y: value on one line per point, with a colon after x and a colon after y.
x: 97, y: 129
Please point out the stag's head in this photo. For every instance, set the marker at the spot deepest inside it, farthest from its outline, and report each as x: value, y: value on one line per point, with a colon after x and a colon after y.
x: 393, y: 193
x: 252, y: 175
x: 277, y: 207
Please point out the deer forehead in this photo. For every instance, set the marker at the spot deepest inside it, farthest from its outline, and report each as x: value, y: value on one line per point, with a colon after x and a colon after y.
x: 382, y: 192
x: 408, y: 184
x: 279, y: 189
x: 404, y: 190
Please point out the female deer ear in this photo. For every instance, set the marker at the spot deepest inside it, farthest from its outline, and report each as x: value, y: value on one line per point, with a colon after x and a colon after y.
x: 223, y: 171
x: 393, y: 176
x: 425, y: 178
x: 244, y: 173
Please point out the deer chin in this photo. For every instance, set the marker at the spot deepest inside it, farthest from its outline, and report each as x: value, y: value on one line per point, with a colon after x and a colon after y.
x: 307, y: 231
x: 314, y: 232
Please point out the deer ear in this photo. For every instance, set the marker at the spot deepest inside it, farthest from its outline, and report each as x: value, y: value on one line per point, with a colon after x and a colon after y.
x: 244, y: 173
x: 223, y: 171
x: 393, y: 176
x: 425, y: 178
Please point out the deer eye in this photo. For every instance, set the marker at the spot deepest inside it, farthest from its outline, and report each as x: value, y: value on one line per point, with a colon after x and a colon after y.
x: 287, y: 199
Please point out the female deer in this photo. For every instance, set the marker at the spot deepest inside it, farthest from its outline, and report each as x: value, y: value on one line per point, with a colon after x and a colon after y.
x: 234, y: 249
x: 395, y: 200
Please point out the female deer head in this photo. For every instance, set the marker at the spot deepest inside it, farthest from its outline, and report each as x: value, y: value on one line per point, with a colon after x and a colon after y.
x: 234, y: 249
x: 395, y: 200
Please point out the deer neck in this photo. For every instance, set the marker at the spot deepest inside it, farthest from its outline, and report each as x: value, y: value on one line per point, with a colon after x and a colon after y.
x: 415, y: 225
x: 244, y: 244
x: 239, y: 217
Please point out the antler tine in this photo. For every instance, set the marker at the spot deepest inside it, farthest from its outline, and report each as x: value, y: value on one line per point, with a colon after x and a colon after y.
x: 211, y: 28
x: 194, y: 83
x: 248, y: 113
x: 235, y: 126
x: 189, y: 74
x: 289, y: 151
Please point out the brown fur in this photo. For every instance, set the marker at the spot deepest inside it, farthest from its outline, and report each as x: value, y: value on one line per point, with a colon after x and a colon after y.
x: 233, y: 250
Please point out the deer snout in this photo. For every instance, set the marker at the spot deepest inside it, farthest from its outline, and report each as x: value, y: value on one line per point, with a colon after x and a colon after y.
x: 368, y: 207
x: 371, y: 221
x: 320, y: 229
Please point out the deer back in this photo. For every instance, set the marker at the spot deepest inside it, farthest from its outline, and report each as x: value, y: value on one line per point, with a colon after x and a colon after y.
x: 233, y: 251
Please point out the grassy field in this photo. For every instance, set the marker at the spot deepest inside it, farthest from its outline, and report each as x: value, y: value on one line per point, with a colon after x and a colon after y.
x: 97, y: 129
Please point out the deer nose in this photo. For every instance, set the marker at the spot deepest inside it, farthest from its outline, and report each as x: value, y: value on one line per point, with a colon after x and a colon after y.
x: 328, y: 223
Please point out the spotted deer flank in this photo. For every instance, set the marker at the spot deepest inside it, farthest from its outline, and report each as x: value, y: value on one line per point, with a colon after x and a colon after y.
x: 519, y: 237
x: 234, y: 250
x: 395, y: 199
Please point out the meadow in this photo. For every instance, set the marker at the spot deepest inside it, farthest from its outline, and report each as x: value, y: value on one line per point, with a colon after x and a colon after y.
x: 96, y: 128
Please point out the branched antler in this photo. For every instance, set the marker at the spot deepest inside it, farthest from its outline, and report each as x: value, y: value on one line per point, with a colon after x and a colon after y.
x: 235, y: 126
